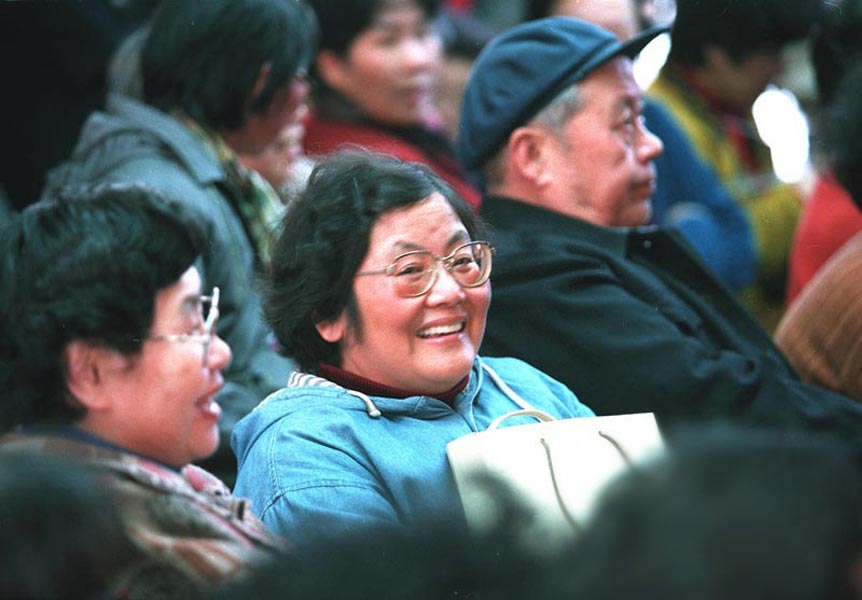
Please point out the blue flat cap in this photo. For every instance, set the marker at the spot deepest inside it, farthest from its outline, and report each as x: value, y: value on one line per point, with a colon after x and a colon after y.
x: 520, y: 71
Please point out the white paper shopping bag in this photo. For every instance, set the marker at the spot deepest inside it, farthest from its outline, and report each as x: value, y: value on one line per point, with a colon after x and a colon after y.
x: 556, y: 468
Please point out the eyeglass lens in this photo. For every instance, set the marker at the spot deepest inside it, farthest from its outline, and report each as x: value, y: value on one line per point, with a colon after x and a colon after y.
x: 416, y: 272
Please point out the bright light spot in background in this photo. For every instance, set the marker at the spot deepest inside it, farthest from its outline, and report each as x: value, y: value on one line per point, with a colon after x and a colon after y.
x: 780, y: 120
x: 651, y: 59
x: 784, y: 128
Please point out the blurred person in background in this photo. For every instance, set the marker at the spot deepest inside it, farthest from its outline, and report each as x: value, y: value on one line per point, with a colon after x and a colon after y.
x: 831, y: 215
x: 724, y: 53
x: 821, y: 333
x: 282, y: 163
x: 376, y: 78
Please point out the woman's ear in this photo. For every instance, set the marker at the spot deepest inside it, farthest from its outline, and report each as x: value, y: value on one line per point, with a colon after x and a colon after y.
x: 88, y: 371
x: 331, y: 69
x: 333, y: 330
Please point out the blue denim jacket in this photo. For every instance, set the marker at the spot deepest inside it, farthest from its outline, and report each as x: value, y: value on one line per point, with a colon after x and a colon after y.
x: 318, y: 460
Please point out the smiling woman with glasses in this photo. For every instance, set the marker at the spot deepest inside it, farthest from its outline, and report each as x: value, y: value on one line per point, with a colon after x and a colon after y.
x: 379, y: 289
x: 110, y: 357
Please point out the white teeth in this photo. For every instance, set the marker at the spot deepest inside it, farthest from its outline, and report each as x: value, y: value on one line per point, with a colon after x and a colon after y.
x: 441, y: 330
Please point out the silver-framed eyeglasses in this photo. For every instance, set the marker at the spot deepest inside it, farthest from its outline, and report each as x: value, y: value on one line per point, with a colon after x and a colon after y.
x: 415, y: 272
x: 204, y: 334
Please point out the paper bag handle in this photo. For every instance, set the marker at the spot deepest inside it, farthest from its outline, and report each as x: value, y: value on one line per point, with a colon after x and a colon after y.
x: 544, y: 417
x: 535, y: 413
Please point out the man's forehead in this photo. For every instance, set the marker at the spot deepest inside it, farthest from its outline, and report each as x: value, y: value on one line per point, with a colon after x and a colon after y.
x: 613, y: 82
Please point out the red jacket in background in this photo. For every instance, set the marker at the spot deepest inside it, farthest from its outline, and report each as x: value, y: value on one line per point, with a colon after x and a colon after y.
x: 323, y: 136
x: 829, y: 219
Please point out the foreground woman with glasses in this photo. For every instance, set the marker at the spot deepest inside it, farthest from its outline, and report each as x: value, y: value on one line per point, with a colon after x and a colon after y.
x: 379, y: 290
x: 109, y: 358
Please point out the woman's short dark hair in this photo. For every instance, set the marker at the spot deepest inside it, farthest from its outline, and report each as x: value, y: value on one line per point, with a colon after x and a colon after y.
x: 203, y: 57
x: 324, y: 237
x: 84, y: 266
x: 739, y: 27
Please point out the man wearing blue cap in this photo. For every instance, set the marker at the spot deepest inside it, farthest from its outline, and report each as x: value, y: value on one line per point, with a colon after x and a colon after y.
x: 625, y: 315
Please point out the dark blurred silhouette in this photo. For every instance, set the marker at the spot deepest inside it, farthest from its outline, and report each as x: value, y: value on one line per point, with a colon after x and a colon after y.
x: 53, y: 61
x: 730, y: 513
x: 62, y: 535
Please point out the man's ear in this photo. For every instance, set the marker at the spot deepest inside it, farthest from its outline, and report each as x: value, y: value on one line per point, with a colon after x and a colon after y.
x: 331, y: 69
x: 526, y: 149
x: 333, y: 330
x: 88, y: 369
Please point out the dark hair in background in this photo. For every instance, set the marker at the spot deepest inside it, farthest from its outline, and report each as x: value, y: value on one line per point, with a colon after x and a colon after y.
x: 342, y: 21
x: 836, y: 45
x: 84, y: 266
x: 840, y: 133
x: 203, y: 57
x: 739, y: 27
x: 730, y: 513
x: 324, y: 237
x: 62, y: 534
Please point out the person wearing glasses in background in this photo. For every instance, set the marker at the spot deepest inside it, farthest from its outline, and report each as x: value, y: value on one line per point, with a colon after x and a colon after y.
x: 379, y: 290
x: 109, y: 358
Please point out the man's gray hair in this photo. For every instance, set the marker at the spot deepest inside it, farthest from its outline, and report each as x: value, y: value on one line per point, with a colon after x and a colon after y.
x: 552, y: 117
x: 559, y: 110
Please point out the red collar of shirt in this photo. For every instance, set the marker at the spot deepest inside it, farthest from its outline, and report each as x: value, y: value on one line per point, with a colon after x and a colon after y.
x: 372, y: 388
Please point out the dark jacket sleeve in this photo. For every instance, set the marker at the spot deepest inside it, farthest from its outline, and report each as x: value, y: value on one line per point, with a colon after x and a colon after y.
x: 629, y: 346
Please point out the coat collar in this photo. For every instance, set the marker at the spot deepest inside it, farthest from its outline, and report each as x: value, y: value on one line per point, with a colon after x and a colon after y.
x: 200, y: 161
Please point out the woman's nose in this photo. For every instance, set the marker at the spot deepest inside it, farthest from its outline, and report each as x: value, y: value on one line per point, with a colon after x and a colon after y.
x: 220, y: 354
x: 445, y: 288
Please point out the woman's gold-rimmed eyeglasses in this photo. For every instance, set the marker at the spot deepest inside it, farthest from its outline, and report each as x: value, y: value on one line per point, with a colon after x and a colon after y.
x: 415, y: 272
x: 204, y: 335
